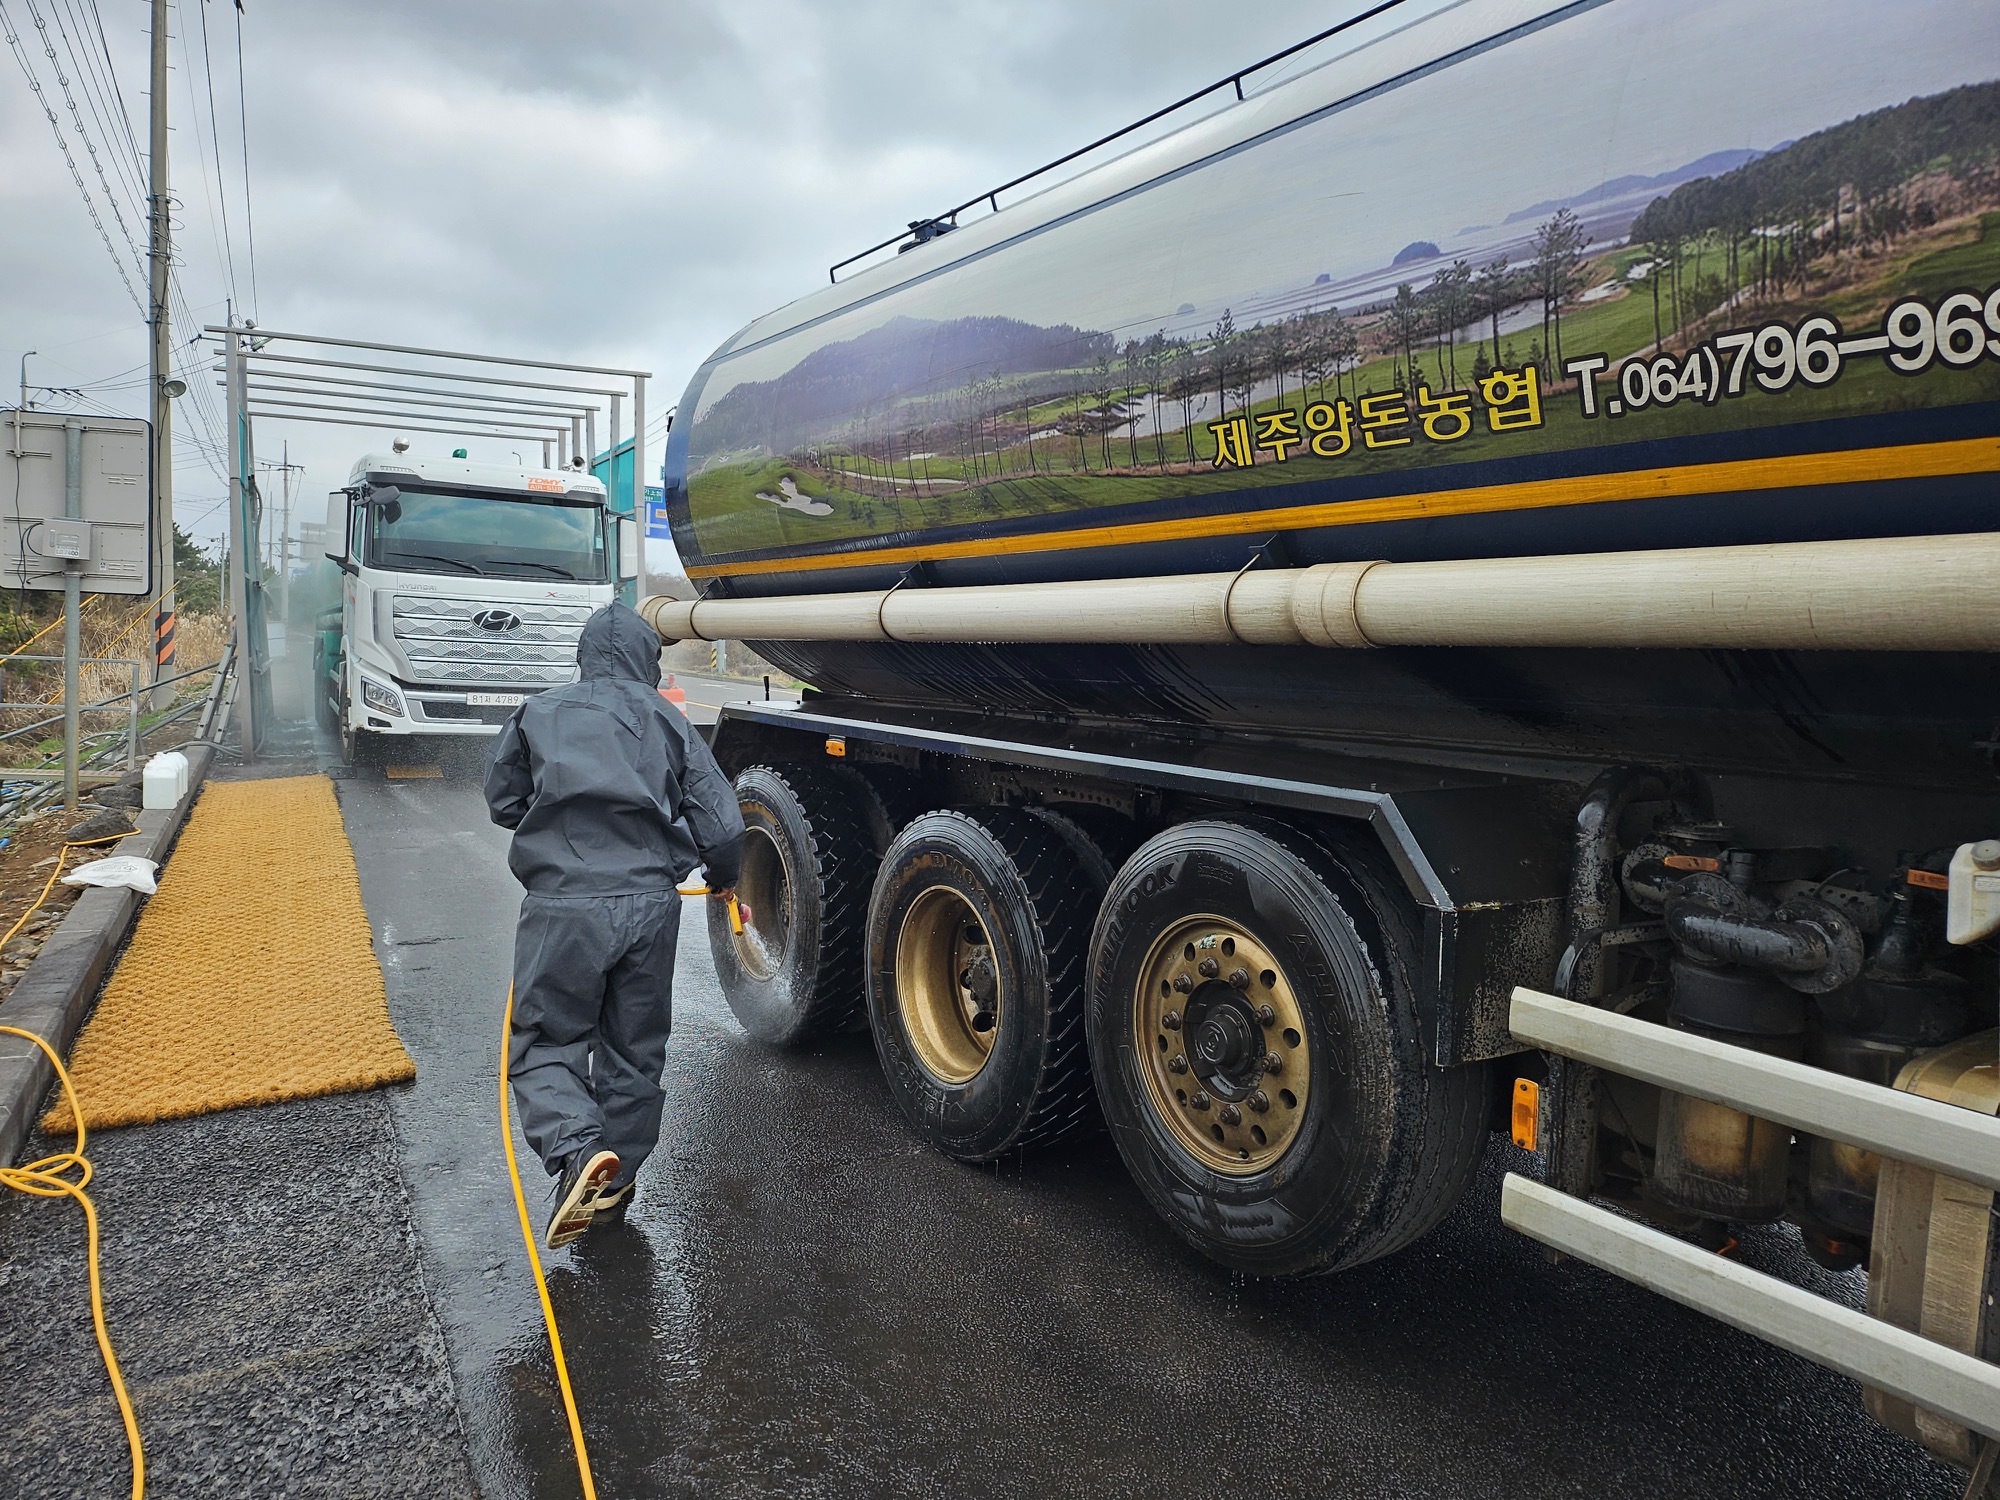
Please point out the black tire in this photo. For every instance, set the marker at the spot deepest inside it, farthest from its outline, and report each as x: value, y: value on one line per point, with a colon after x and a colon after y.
x: 890, y: 798
x: 1096, y: 865
x: 1024, y: 883
x: 808, y: 862
x: 1385, y: 1141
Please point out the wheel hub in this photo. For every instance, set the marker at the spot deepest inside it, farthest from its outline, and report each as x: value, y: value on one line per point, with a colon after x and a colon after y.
x: 1221, y: 1040
x: 1226, y: 1038
x: 765, y: 885
x: 947, y: 985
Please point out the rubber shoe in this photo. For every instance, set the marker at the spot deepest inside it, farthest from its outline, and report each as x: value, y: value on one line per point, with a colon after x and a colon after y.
x: 586, y: 1177
x: 611, y: 1205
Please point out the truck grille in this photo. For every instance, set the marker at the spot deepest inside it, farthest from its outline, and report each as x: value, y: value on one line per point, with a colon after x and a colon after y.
x: 442, y: 644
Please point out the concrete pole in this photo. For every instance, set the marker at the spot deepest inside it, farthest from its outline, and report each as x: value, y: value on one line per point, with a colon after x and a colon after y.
x: 576, y: 437
x: 590, y: 441
x: 545, y: 453
x: 72, y: 613
x: 162, y: 366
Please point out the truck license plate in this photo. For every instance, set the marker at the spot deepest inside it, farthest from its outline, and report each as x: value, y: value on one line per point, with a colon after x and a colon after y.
x: 496, y: 700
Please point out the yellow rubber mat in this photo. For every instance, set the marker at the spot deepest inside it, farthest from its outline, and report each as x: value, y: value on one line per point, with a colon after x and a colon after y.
x: 251, y: 978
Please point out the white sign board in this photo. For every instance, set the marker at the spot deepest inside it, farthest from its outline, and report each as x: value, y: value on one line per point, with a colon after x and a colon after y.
x: 109, y: 542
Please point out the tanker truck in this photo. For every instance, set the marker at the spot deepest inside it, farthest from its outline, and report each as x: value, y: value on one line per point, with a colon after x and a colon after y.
x: 1455, y: 595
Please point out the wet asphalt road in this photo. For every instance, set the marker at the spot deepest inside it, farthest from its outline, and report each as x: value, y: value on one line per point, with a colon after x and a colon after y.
x: 806, y: 1302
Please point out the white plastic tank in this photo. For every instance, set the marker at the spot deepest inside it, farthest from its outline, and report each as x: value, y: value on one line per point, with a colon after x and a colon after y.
x: 166, y: 780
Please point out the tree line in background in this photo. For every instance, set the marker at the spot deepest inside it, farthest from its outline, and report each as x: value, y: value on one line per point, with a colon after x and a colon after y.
x: 999, y: 427
x: 1848, y: 192
x: 1845, y: 193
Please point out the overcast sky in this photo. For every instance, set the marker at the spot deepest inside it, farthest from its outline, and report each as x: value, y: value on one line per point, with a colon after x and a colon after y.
x: 618, y: 182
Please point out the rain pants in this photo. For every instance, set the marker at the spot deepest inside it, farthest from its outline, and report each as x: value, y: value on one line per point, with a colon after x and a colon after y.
x: 614, y: 800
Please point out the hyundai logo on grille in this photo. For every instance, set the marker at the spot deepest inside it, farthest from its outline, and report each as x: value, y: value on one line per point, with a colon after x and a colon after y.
x: 497, y: 619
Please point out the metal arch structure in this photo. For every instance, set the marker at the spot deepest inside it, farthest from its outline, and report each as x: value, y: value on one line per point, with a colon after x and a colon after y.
x: 447, y: 391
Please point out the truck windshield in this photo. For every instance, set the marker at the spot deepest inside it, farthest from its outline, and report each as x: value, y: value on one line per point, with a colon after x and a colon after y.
x: 517, y: 537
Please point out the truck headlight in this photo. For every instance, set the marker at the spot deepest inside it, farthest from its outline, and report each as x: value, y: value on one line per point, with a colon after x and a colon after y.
x: 383, y: 699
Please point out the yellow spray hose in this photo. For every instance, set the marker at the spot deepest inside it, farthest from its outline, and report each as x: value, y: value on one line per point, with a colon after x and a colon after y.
x: 535, y: 1260
x: 527, y: 1228
x: 46, y: 1179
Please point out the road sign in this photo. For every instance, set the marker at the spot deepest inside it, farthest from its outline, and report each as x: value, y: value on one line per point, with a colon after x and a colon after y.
x: 656, y: 514
x: 106, y: 539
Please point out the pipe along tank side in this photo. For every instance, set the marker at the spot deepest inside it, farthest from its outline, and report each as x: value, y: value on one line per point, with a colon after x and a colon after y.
x: 1034, y: 508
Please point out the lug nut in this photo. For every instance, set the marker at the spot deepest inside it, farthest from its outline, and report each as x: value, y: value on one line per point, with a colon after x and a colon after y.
x: 1273, y: 1063
x: 1198, y: 1100
x: 1266, y: 1016
x: 1209, y: 967
x: 1171, y: 1020
x: 1177, y: 1064
x: 1183, y: 983
x: 1231, y: 1115
x: 1259, y: 1101
x: 1240, y: 978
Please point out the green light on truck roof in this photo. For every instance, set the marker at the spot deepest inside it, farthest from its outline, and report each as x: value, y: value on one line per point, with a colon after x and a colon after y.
x: 458, y: 453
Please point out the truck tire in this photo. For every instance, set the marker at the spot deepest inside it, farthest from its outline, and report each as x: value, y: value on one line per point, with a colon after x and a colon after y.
x: 808, y: 858
x: 996, y: 1062
x: 1224, y: 947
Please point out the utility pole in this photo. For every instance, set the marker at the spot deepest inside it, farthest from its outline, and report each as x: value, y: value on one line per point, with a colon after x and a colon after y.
x: 162, y: 365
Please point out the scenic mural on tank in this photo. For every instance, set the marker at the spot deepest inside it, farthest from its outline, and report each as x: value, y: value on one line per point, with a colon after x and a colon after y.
x: 1747, y: 227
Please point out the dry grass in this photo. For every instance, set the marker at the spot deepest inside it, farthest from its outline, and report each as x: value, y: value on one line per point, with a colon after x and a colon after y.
x: 114, y: 633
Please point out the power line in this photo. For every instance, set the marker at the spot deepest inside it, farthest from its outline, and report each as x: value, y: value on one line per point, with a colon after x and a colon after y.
x: 55, y: 125
x: 215, y: 143
x: 90, y: 81
x: 76, y: 117
x: 111, y: 72
x: 215, y: 235
x: 243, y: 131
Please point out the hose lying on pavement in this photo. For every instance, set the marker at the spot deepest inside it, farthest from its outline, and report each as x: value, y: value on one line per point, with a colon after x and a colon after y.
x: 50, y: 1177
x: 528, y: 1229
x: 535, y: 1260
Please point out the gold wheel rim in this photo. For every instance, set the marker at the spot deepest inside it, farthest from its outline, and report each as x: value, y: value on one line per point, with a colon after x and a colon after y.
x: 1221, y: 1042
x: 765, y: 886
x: 947, y: 989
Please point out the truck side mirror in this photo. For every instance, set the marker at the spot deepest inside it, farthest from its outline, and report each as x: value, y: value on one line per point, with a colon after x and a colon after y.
x: 628, y: 548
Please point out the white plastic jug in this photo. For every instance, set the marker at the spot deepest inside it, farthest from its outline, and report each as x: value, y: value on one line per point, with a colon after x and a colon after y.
x: 166, y: 780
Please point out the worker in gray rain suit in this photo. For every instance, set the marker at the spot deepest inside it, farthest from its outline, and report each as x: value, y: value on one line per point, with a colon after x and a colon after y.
x: 613, y: 799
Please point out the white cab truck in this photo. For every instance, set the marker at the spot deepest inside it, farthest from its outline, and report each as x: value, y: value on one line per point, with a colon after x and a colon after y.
x: 453, y: 590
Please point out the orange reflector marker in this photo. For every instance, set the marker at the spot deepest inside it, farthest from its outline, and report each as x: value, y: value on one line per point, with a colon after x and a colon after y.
x: 836, y: 747
x: 1527, y: 1113
x: 1691, y: 862
x: 1927, y: 880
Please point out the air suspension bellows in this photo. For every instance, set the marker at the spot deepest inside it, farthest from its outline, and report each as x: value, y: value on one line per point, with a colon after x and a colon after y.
x: 1900, y: 1006
x: 1741, y: 971
x: 1713, y: 1160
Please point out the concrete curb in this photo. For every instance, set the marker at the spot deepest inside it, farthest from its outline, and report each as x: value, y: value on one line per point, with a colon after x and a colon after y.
x: 53, y: 996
